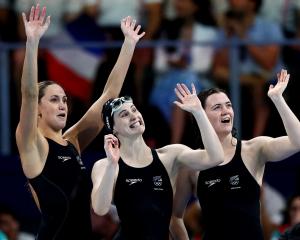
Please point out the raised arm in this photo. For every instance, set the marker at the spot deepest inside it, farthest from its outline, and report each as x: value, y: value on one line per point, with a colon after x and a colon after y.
x: 83, y: 132
x: 276, y: 149
x: 27, y: 135
x: 104, y: 175
x: 213, y: 153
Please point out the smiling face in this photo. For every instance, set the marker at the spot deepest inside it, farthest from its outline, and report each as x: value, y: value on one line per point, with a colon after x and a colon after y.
x: 128, y: 121
x: 53, y: 109
x: 219, y: 111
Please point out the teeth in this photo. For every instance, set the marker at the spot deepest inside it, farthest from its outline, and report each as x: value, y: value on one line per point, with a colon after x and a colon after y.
x: 135, y: 124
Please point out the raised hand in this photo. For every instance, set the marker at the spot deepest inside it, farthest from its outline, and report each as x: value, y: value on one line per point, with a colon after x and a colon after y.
x: 130, y: 30
x: 37, y: 23
x: 188, y: 101
x: 282, y: 81
x: 111, y: 147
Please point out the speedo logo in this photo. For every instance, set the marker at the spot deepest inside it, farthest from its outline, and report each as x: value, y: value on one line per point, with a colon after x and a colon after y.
x: 210, y: 183
x: 132, y: 181
x: 64, y: 158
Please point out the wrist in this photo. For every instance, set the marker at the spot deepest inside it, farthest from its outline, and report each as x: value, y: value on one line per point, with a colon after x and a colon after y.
x: 129, y: 41
x: 32, y: 41
x: 277, y: 98
x: 199, y: 112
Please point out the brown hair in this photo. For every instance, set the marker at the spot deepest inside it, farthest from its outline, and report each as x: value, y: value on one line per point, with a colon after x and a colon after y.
x: 42, y: 87
x: 203, y: 95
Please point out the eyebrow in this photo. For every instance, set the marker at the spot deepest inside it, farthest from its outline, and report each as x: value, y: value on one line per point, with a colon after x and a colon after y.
x: 219, y: 104
x: 55, y: 95
x: 125, y: 110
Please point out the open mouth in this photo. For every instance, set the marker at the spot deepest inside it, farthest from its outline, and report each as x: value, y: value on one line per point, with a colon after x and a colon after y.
x: 136, y: 124
x: 225, y: 120
x: 61, y: 115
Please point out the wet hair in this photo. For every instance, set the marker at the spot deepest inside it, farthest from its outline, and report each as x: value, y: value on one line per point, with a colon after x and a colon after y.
x: 42, y: 87
x: 203, y: 95
x: 107, y: 117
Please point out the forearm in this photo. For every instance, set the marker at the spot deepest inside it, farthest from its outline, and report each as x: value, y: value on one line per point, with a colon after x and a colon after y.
x: 210, y: 139
x: 102, y: 196
x: 289, y: 119
x: 30, y: 71
x: 116, y: 78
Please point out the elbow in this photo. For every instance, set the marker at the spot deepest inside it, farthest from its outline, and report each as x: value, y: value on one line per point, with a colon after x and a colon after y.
x: 99, y: 206
x: 100, y: 211
x: 219, y: 160
x: 296, y: 144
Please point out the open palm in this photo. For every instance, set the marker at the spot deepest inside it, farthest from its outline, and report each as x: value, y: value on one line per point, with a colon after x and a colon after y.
x: 37, y: 23
x: 189, y: 101
x: 282, y: 81
x: 130, y: 30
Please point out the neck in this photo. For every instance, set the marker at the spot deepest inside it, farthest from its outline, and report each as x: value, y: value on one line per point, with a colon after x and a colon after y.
x: 134, y: 150
x: 54, y: 135
x: 228, y: 141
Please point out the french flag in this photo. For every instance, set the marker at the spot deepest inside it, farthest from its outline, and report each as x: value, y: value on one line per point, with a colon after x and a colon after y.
x: 75, y: 68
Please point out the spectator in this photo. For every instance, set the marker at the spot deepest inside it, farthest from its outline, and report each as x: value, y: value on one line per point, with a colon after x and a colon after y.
x: 187, y: 64
x: 10, y: 225
x: 149, y: 12
x: 257, y: 65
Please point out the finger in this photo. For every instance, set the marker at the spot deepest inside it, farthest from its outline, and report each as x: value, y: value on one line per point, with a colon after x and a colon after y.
x: 24, y: 17
x: 186, y: 89
x: 178, y: 104
x: 128, y: 21
x: 178, y: 94
x: 116, y: 143
x: 287, y: 78
x: 31, y: 14
x: 193, y: 89
x: 180, y: 89
x: 43, y: 15
x: 138, y: 28
x: 142, y: 35
x: 48, y: 20
x: 133, y: 23
x: 37, y: 12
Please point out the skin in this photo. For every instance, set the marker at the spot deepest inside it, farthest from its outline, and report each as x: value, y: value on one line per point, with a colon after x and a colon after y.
x: 48, y: 117
x: 255, y: 152
x: 128, y: 129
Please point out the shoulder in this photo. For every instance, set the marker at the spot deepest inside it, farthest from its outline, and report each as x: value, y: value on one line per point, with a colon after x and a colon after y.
x: 100, y: 163
x: 255, y: 146
x: 256, y: 142
x: 172, y: 149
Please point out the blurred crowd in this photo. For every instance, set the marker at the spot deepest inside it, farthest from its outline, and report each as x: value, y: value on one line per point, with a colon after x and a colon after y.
x: 156, y: 69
